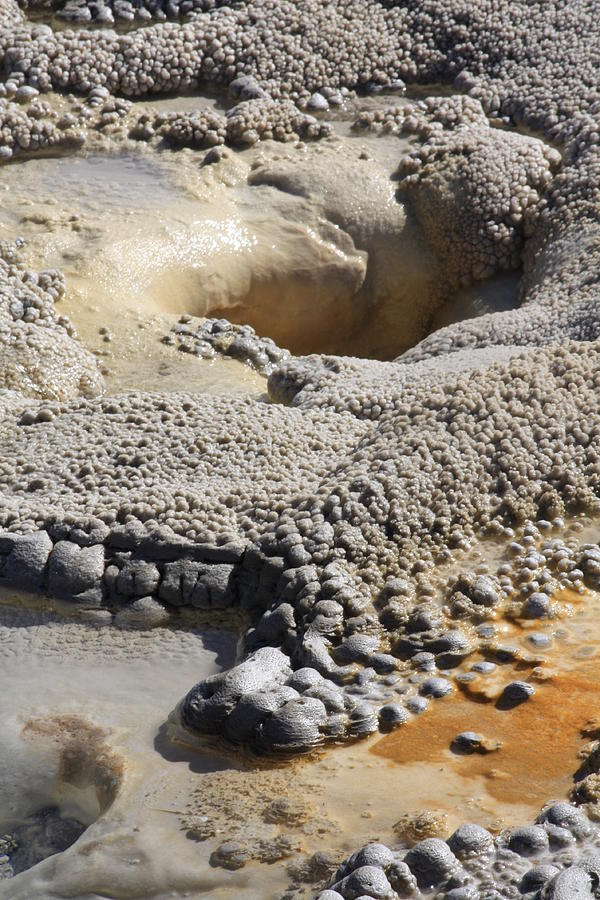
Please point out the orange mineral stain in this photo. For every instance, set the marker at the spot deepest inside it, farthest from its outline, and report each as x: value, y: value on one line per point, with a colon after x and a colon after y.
x: 541, y: 739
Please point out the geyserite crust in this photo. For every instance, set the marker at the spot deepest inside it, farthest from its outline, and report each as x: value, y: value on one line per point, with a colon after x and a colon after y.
x: 324, y: 518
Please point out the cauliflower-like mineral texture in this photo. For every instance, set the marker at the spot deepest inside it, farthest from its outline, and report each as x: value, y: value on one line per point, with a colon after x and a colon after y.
x: 40, y: 357
x: 325, y: 518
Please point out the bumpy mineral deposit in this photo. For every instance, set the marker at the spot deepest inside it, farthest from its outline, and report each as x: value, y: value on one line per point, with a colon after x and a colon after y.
x: 413, y: 504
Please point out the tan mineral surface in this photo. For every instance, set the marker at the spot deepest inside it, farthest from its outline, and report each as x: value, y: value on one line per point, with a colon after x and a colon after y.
x: 299, y: 450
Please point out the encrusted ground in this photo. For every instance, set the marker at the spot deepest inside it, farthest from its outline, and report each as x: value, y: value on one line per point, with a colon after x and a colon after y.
x: 338, y: 517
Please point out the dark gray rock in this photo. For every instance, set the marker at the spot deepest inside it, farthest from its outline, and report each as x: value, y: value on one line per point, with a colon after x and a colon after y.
x: 40, y: 836
x: 558, y: 837
x: 591, y: 865
x: 383, y: 663
x: 251, y: 711
x: 467, y: 741
x: 483, y: 591
x: 369, y: 855
x: 96, y: 534
x: 470, y: 840
x: 391, y: 715
x: 313, y: 652
x: 517, y: 692
x: 329, y: 694
x: 424, y: 661
x: 486, y: 630
x: 127, y: 537
x: 304, y: 678
x: 209, y: 703
x: 217, y: 582
x: 231, y: 552
x: 145, y: 612
x: 28, y: 555
x: 365, y: 677
x: 572, y: 884
x: 505, y: 652
x: 274, y: 625
x: 230, y: 855
x: 416, y: 704
x: 530, y: 840
x: 432, y: 862
x: 138, y: 578
x: 449, y: 643
x: 479, y: 589
x: 536, y: 878
x: 435, y: 687
x: 296, y: 726
x: 565, y: 815
x: 356, y: 648
x: 73, y: 569
x: 401, y: 878
x: 370, y: 881
x: 362, y: 719
x: 539, y: 640
x: 537, y: 606
x: 179, y: 580
x: 244, y: 87
x: 26, y: 93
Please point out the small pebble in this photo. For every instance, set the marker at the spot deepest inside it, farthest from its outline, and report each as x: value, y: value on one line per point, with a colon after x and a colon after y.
x: 416, y: 704
x: 435, y: 687
x: 484, y: 667
x: 518, y: 691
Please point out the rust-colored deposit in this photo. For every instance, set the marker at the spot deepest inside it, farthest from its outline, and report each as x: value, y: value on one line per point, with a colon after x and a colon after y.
x: 541, y: 740
x: 85, y: 756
